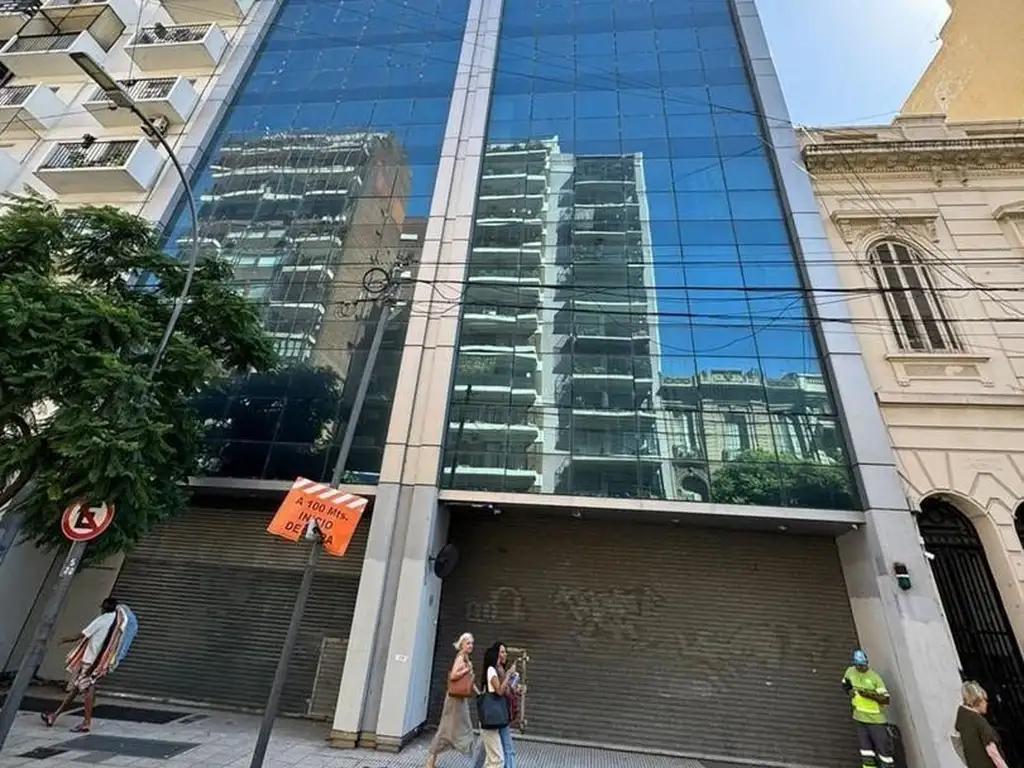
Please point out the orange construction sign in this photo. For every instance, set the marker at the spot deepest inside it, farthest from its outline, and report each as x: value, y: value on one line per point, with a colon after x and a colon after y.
x: 337, y: 514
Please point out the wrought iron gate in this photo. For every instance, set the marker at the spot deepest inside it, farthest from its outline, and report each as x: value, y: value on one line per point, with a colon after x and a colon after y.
x: 984, y: 639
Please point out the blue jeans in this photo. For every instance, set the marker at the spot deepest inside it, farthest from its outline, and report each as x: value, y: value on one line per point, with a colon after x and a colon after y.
x: 507, y: 745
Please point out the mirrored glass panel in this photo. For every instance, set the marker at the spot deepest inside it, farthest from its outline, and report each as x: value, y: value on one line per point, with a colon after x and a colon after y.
x: 323, y: 171
x: 634, y: 325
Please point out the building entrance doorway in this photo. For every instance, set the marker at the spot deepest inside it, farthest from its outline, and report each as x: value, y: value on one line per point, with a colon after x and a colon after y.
x: 981, y: 629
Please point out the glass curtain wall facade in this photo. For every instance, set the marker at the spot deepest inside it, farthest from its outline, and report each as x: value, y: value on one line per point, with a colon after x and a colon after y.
x: 634, y: 324
x: 324, y: 169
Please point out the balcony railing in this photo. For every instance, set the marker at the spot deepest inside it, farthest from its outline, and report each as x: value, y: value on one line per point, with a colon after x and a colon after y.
x: 73, y: 3
x: 507, y: 380
x: 184, y: 33
x: 526, y: 273
x: 102, y: 154
x: 142, y: 90
x: 43, y: 43
x: 20, y: 6
x: 15, y: 96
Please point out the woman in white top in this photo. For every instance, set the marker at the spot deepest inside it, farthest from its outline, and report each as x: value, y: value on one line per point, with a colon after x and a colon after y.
x: 495, y: 683
x: 456, y: 728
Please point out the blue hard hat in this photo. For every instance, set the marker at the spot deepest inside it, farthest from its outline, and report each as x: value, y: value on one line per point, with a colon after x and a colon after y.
x: 860, y: 658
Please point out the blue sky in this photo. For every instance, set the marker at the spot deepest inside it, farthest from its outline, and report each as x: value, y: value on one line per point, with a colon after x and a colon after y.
x: 845, y: 61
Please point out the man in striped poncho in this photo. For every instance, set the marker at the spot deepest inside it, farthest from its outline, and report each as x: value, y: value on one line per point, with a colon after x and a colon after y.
x: 98, y: 650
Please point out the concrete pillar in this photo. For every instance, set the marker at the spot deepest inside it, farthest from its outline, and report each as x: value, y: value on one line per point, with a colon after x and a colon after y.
x: 383, y: 694
x: 905, y: 632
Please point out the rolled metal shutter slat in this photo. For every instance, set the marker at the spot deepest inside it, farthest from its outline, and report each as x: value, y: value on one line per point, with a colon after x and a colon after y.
x: 213, y: 592
x: 684, y: 639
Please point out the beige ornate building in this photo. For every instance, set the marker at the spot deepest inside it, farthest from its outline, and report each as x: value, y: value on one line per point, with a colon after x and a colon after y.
x: 978, y: 73
x: 926, y: 218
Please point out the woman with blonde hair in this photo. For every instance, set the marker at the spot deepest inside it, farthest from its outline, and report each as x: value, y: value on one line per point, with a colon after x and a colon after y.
x: 978, y: 739
x: 456, y: 728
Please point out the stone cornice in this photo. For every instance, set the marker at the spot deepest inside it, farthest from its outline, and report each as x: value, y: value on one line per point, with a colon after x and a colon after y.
x: 854, y: 225
x: 937, y: 157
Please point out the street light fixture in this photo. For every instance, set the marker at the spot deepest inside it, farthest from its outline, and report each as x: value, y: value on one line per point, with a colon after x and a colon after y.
x: 121, y: 98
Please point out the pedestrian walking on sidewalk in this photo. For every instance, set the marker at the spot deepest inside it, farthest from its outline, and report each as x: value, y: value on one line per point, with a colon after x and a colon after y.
x: 98, y: 650
x: 978, y: 739
x: 869, y: 698
x: 496, y: 688
x: 456, y: 728
x: 497, y: 657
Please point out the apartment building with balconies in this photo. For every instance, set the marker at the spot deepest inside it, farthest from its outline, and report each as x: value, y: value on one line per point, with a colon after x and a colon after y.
x: 179, y: 62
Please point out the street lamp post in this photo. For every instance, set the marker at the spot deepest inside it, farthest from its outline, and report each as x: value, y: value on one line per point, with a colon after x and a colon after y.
x: 121, y: 98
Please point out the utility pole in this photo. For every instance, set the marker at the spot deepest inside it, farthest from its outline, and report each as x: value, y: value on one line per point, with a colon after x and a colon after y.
x: 386, y: 296
x: 34, y: 655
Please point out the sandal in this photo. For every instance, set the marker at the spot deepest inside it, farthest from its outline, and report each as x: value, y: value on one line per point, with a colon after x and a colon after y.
x: 47, y: 719
x: 80, y: 728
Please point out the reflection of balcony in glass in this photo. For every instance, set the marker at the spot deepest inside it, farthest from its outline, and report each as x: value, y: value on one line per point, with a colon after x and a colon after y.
x: 605, y: 339
x: 496, y: 426
x: 302, y: 217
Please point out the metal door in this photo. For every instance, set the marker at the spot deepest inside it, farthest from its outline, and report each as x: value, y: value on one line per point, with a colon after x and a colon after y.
x: 688, y: 640
x: 988, y: 649
x: 214, y: 593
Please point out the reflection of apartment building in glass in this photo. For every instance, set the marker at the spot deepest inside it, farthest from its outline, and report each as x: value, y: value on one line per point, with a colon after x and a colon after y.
x: 605, y: 340
x: 497, y: 417
x: 301, y: 217
x: 560, y: 271
x: 719, y: 415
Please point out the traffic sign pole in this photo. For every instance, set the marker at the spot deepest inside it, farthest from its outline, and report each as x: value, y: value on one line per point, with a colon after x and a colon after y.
x: 281, y: 674
x: 34, y: 657
x: 80, y: 523
x: 270, y: 713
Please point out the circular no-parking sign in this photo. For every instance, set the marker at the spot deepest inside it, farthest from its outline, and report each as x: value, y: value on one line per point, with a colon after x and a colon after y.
x: 84, y: 522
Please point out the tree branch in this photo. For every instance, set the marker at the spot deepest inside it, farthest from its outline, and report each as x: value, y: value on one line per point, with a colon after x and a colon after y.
x: 12, y: 490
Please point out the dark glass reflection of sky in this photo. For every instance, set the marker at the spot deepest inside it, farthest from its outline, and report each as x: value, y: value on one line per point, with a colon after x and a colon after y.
x: 336, y: 68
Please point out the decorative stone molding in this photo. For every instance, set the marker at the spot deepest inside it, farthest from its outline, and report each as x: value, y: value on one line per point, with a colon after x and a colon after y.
x: 859, y: 225
x: 939, y: 366
x: 985, y: 487
x: 1009, y: 211
x: 942, y: 159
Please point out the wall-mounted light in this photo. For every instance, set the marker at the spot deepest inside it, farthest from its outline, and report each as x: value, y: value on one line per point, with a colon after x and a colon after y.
x: 902, y: 576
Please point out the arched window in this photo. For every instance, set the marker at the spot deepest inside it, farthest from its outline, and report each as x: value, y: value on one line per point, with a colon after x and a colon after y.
x: 913, y: 305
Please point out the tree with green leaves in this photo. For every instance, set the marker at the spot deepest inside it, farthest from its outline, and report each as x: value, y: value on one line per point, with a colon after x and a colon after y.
x: 85, y: 297
x: 761, y: 477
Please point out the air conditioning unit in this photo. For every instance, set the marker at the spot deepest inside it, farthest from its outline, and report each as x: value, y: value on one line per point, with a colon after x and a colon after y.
x: 161, y: 124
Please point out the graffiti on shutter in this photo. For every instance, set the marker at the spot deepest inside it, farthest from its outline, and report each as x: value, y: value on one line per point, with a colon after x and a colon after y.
x: 614, y: 613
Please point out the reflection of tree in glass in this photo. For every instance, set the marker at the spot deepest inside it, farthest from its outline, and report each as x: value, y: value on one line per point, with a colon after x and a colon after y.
x: 274, y: 425
x: 762, y: 477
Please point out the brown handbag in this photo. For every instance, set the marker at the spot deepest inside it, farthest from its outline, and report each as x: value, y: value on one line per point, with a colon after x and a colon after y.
x: 463, y: 687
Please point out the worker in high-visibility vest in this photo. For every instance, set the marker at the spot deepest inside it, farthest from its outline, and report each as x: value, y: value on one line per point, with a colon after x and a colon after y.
x: 869, y: 698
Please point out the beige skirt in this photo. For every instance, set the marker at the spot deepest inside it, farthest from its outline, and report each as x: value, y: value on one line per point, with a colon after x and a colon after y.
x: 456, y: 728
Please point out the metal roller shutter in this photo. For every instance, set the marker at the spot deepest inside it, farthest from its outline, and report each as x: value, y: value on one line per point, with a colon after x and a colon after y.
x: 214, y: 592
x: 667, y: 637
